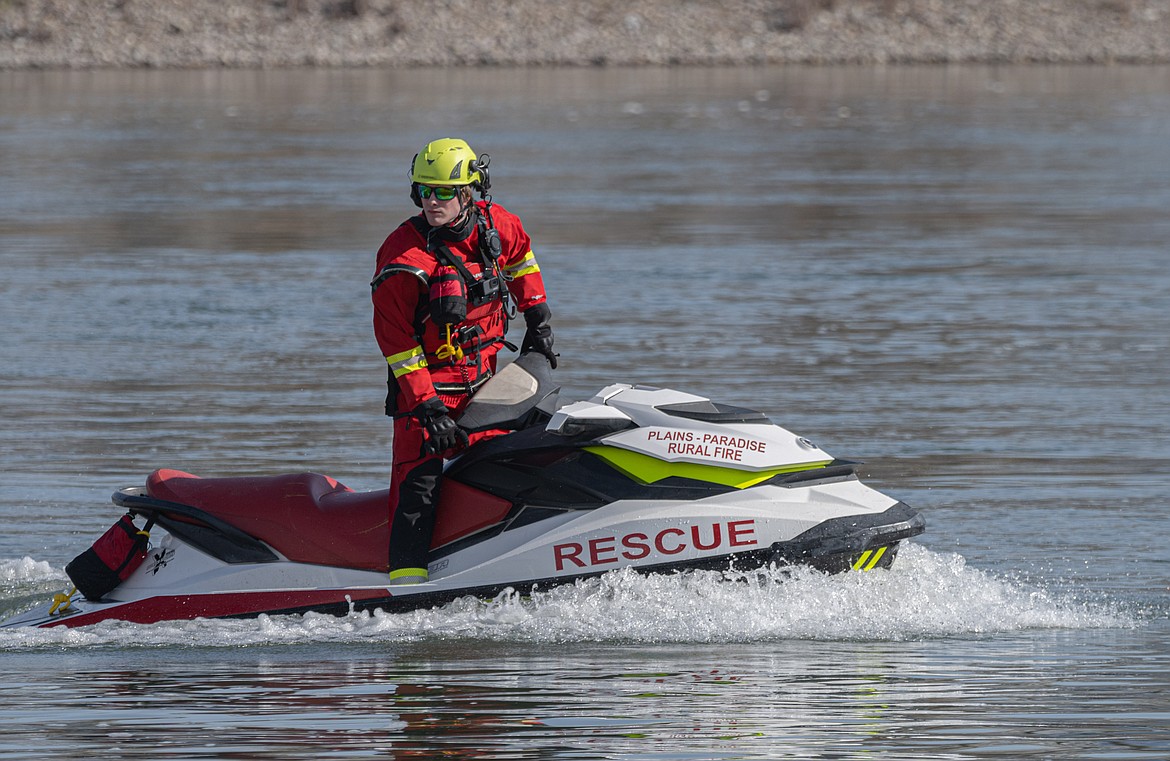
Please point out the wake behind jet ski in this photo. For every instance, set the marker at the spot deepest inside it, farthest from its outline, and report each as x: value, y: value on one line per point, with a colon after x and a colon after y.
x: 635, y: 477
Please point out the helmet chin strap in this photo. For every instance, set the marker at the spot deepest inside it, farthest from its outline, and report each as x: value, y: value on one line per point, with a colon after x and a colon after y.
x: 464, y: 215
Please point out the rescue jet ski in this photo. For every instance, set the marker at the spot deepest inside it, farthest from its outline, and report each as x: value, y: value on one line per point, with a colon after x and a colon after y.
x: 636, y: 477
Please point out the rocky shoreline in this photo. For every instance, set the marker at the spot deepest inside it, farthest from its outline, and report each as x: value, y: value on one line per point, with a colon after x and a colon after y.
x: 400, y: 33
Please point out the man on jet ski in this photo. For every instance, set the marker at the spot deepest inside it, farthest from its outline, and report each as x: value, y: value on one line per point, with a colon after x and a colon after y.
x: 448, y: 281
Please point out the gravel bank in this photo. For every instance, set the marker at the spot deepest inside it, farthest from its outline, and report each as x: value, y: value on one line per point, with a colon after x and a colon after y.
x: 404, y: 33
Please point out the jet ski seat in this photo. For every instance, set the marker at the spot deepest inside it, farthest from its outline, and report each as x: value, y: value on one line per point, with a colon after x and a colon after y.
x: 307, y: 517
x: 312, y: 518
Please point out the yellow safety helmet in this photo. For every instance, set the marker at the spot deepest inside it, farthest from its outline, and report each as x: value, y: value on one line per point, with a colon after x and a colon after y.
x: 447, y: 161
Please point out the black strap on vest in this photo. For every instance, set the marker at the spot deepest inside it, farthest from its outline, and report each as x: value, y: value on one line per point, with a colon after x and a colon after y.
x: 491, y: 249
x: 445, y: 257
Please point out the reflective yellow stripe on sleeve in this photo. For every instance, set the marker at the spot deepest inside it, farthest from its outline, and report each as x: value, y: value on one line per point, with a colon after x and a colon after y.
x: 526, y: 266
x: 407, y: 361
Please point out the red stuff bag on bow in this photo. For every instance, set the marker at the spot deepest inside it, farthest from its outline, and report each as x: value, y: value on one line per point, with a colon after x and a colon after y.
x: 111, y: 559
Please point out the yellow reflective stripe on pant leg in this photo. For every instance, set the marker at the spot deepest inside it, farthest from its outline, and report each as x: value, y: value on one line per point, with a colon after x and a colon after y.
x: 407, y: 361
x: 409, y: 575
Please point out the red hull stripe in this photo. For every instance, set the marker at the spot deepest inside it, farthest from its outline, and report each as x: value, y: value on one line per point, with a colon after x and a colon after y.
x: 186, y: 607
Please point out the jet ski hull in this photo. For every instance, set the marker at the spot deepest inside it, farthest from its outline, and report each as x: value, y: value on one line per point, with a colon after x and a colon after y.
x: 636, y: 478
x: 180, y: 582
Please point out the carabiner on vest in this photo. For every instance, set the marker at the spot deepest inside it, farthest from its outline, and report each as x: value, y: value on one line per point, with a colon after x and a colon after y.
x: 449, y: 350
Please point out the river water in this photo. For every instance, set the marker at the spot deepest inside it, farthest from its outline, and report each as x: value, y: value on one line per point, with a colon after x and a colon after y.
x: 957, y: 275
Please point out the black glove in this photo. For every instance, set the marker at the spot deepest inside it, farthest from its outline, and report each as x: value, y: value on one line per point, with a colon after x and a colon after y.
x: 539, y: 336
x: 443, y: 433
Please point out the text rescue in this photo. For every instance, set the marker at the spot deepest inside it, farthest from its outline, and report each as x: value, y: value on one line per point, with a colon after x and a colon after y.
x: 669, y: 541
